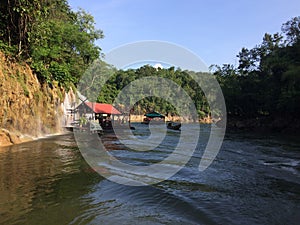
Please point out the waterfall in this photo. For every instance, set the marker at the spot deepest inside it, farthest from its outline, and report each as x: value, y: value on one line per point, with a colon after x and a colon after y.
x: 66, y: 106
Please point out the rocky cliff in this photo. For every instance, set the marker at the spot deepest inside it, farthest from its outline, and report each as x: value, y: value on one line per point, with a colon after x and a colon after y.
x: 26, y: 107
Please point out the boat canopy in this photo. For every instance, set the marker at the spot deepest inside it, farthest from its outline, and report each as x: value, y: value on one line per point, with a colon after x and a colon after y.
x: 154, y: 115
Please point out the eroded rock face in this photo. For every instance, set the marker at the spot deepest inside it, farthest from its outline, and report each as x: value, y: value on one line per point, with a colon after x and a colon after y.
x: 26, y: 106
x: 7, y: 138
x: 4, y: 139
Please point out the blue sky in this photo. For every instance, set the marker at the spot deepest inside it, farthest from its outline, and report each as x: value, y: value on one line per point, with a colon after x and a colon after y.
x: 215, y: 30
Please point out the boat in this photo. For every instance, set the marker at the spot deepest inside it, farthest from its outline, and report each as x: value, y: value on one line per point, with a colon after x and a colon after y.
x: 95, y: 127
x: 146, y: 120
x: 154, y: 118
x: 173, y: 125
x: 89, y: 127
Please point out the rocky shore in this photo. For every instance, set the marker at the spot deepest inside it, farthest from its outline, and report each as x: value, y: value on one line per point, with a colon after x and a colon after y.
x: 9, y: 138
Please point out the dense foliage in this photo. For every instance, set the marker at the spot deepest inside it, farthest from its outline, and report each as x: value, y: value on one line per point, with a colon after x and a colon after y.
x: 59, y: 45
x: 267, y: 79
x: 266, y: 83
x: 57, y: 42
x: 120, y: 79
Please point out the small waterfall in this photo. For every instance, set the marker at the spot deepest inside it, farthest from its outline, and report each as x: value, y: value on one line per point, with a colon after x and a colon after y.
x: 68, y: 105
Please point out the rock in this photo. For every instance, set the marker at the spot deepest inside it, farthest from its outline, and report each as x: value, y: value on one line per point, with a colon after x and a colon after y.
x: 4, y: 139
x: 14, y: 139
x: 25, y: 104
x: 7, y: 138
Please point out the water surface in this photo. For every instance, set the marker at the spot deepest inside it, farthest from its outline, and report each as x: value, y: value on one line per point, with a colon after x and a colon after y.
x: 255, y: 179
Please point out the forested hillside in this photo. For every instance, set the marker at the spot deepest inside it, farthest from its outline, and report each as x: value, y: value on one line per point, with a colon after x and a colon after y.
x: 267, y: 80
x: 263, y: 90
x: 266, y: 83
x: 120, y: 79
x: 59, y: 46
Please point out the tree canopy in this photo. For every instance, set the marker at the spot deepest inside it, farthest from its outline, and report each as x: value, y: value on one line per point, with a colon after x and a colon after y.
x: 94, y: 86
x: 58, y: 43
x: 266, y: 82
x: 267, y: 78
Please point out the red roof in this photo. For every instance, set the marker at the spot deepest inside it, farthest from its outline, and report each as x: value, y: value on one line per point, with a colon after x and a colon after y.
x: 102, y: 108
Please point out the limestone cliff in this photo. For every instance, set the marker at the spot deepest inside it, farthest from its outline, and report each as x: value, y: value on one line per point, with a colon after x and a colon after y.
x: 26, y: 106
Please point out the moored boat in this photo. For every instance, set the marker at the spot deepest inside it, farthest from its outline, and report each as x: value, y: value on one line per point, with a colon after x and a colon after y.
x: 173, y: 125
x: 154, y: 118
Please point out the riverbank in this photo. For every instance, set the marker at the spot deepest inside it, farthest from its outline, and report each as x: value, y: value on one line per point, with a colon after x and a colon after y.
x: 8, y: 138
x: 140, y: 118
x: 269, y: 124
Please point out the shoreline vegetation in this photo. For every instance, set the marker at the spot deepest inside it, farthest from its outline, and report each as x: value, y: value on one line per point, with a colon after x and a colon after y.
x: 45, y: 48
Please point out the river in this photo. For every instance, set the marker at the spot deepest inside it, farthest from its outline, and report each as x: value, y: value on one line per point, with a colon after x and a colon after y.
x: 255, y: 179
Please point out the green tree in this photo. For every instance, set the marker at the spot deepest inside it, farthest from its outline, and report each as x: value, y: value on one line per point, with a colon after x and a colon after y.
x: 267, y: 80
x: 58, y: 44
x: 292, y: 30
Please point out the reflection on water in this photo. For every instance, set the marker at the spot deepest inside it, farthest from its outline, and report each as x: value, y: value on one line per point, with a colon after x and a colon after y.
x: 38, y: 176
x: 254, y: 180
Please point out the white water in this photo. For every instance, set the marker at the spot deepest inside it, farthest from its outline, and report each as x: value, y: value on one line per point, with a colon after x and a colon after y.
x: 66, y: 106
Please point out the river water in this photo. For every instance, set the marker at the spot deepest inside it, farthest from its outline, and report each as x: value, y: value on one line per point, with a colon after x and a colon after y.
x: 255, y: 179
